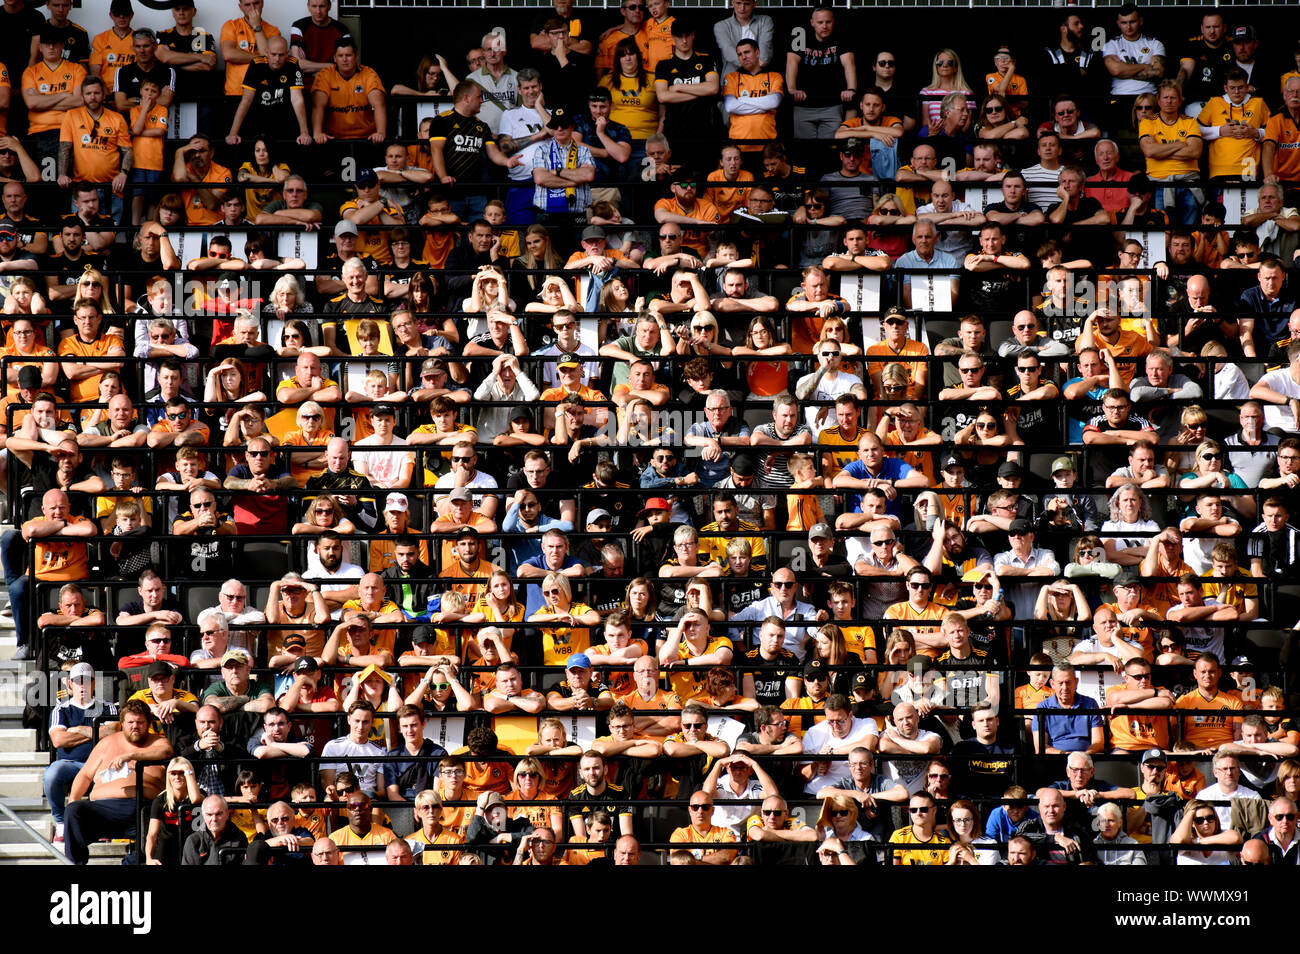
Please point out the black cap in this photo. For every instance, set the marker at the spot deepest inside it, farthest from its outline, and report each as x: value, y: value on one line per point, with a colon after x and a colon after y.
x: 560, y: 119
x: 160, y: 670
x: 383, y: 410
x: 1128, y: 577
x: 1011, y: 469
x: 816, y: 668
x: 519, y: 411
x: 367, y: 177
x: 853, y: 147
x: 424, y: 634
x: 1020, y: 525
x: 744, y: 465
x: 306, y: 664
x: 952, y: 461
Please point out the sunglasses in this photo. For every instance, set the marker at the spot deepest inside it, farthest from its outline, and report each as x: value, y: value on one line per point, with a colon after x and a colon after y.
x: 706, y: 807
x: 915, y: 585
x: 256, y: 453
x: 694, y: 725
x: 1211, y: 457
x: 204, y: 504
x: 783, y: 584
x: 885, y: 63
x: 945, y: 62
x: 773, y: 812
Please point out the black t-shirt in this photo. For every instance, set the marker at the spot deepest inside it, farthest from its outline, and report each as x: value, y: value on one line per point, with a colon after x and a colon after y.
x: 129, y: 78
x: 16, y: 32
x: 1020, y: 238
x: 821, y: 75
x: 699, y: 116
x: 1089, y: 242
x: 770, y: 675
x: 1207, y: 72
x: 581, y: 803
x: 982, y: 771
x: 76, y: 42
x: 272, y: 105
x: 44, y: 474
x: 204, y: 554
x: 192, y: 85
x: 465, y: 140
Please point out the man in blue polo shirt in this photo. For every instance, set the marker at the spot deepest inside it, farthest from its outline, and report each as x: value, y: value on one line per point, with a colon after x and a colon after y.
x: 1068, y: 733
x: 874, y: 469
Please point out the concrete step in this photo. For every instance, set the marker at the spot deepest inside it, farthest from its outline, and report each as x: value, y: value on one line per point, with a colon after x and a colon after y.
x: 17, y: 740
x: 26, y: 853
x: 11, y: 715
x: 24, y: 760
x: 22, y: 783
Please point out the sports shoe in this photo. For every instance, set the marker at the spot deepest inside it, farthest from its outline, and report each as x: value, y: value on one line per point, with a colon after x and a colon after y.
x: 21, y: 653
x: 58, y: 832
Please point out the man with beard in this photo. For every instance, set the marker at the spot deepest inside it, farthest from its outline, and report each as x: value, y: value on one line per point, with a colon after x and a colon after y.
x: 111, y: 806
x: 342, y: 575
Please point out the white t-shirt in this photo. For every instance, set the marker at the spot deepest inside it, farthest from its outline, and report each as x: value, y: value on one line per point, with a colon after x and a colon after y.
x: 384, y: 463
x: 348, y: 574
x: 521, y: 123
x: 481, y: 481
x: 910, y: 773
x: 1279, y: 415
x: 1142, y: 50
x: 819, y: 738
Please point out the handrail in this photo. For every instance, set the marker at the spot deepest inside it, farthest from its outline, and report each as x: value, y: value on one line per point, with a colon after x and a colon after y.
x: 34, y: 835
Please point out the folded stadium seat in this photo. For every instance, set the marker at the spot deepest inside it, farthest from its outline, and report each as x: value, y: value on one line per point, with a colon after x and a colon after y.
x: 1121, y: 773
x: 119, y: 594
x: 197, y: 598
x: 999, y: 329
x: 265, y: 561
x: 936, y: 330
x: 1264, y: 646
x: 1041, y: 466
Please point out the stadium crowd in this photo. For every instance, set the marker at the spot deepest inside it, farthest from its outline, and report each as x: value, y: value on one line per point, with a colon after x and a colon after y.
x: 644, y: 429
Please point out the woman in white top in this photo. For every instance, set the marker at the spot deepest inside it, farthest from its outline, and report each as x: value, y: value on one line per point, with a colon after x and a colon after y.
x: 964, y: 825
x: 1200, y: 826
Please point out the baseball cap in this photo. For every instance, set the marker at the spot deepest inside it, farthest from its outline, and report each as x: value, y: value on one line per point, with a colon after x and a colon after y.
x: 306, y: 664
x: 383, y: 410
x: 744, y: 465
x: 344, y: 227
x: 1063, y: 463
x: 569, y: 360
x: 598, y: 514
x: 592, y: 232
x: 578, y: 661
x: 1127, y: 577
x: 1020, y: 525
x: 861, y: 681
x: 1241, y: 663
x: 7, y: 232
x: 952, y: 461
x: 519, y: 411
x: 816, y: 668
x: 239, y: 656
x: 1243, y: 33
x: 560, y: 119
x: 1010, y: 469
x: 424, y: 634
x: 160, y: 670
x: 81, y: 670
x: 894, y: 312
x: 853, y: 147
x: 1153, y: 755
x: 433, y: 366
x: 396, y: 503
x: 461, y: 494
x: 820, y: 531
x: 655, y: 503
x: 295, y: 641
x: 367, y: 178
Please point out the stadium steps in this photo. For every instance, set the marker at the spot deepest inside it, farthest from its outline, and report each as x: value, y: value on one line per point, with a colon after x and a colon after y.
x: 21, y: 768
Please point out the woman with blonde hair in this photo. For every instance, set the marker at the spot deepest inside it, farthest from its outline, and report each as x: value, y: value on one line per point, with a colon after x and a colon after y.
x: 946, y: 77
x: 565, y: 623
x: 526, y: 786
x: 539, y: 255
x: 177, y: 804
x: 311, y: 433
x: 842, y: 840
x: 1207, y: 473
x: 1201, y: 826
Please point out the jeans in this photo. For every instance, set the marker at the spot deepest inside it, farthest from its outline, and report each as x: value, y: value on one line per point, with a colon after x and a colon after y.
x: 1186, y: 207
x: 819, y: 122
x: 58, y: 779
x: 13, y: 554
x: 519, y: 205
x: 85, y: 822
